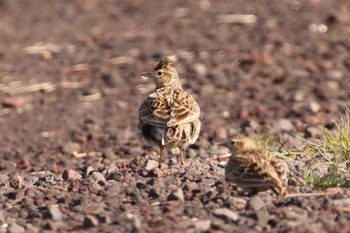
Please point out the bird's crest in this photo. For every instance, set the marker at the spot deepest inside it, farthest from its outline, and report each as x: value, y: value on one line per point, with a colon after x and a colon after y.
x: 165, y: 62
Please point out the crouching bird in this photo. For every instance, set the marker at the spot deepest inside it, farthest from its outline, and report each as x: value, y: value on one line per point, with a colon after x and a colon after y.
x: 254, y: 169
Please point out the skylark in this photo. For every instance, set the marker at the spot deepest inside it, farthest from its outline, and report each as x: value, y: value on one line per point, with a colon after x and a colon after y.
x: 169, y: 116
x: 254, y: 169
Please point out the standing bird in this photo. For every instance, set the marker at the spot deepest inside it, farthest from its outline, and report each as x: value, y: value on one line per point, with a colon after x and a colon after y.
x: 254, y: 169
x: 169, y: 116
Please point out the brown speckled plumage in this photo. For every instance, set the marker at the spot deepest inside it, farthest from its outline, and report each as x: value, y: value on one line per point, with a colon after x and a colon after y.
x: 169, y: 116
x: 254, y: 169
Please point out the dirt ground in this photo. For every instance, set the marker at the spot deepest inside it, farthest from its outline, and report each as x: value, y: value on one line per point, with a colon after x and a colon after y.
x: 70, y: 88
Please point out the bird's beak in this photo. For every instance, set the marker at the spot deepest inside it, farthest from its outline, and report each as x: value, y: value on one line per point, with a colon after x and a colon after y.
x: 146, y: 74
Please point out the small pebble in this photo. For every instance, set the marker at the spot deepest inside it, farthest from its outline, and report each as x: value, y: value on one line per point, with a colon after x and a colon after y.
x: 98, y: 176
x: 15, y: 228
x: 282, y: 125
x: 178, y: 194
x: 90, y: 221
x: 313, y: 132
x: 55, y: 213
x: 202, y: 225
x: 263, y: 217
x: 13, y: 102
x: 4, y: 179
x: 226, y: 214
x: 151, y: 165
x: 136, y: 220
x: 17, y: 182
x: 71, y: 148
x: 334, y: 74
x: 256, y: 203
x: 314, y: 106
x: 342, y: 202
x: 87, y: 171
x: 71, y: 174
x: 200, y: 69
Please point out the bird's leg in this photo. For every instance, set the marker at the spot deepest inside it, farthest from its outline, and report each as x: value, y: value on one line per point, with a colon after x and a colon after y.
x: 160, y: 156
x: 182, y: 160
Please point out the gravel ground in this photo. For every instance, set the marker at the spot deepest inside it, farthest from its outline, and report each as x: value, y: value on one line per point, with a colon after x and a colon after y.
x: 70, y: 157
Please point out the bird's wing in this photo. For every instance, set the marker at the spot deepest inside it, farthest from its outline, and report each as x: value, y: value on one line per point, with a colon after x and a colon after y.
x: 280, y: 170
x: 254, y: 167
x: 183, y: 109
x: 169, y: 108
x: 153, y: 111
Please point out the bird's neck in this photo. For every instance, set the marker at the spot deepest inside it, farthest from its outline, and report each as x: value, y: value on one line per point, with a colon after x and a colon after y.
x: 170, y: 86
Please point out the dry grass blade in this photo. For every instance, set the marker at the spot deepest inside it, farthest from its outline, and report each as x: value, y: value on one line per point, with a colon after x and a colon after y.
x: 336, y: 142
x: 243, y: 19
x: 81, y: 67
x: 91, y: 97
x: 86, y: 154
x: 40, y: 48
x: 307, y: 194
x: 40, y: 172
x: 48, y: 87
x: 335, y: 149
x: 47, y: 134
x: 122, y: 60
x: 73, y: 85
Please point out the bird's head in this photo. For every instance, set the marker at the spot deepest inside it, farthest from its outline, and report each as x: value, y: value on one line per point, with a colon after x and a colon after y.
x: 164, y: 74
x: 240, y: 142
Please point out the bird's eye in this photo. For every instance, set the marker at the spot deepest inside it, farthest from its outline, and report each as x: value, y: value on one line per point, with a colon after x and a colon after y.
x: 160, y: 72
x: 233, y: 143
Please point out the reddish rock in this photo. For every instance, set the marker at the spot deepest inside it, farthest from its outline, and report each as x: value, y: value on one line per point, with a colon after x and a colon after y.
x: 13, y: 102
x: 17, y: 182
x: 71, y: 174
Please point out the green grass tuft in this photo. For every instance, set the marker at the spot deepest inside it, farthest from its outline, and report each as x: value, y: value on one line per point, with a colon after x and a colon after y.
x: 335, y: 148
x: 334, y: 178
x: 336, y: 142
x: 268, y: 143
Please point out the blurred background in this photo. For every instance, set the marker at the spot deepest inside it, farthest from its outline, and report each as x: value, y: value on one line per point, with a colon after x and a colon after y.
x: 70, y: 89
x: 70, y: 70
